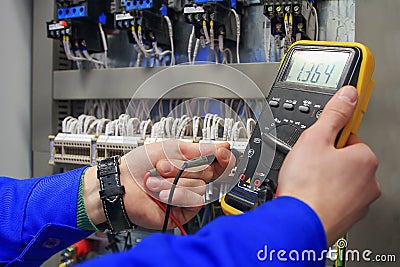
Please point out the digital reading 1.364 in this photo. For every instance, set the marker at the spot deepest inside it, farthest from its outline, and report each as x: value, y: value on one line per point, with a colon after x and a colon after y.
x: 318, y: 68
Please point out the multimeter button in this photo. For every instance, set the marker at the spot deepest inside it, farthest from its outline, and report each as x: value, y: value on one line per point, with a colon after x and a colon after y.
x: 304, y: 109
x: 274, y: 103
x: 288, y: 106
x: 319, y: 112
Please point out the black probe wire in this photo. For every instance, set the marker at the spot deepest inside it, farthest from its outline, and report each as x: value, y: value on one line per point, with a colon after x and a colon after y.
x: 171, y: 194
x: 203, y: 160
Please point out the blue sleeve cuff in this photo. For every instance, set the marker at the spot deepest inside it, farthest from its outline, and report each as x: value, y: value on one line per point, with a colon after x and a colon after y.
x: 39, y: 217
x: 55, y: 199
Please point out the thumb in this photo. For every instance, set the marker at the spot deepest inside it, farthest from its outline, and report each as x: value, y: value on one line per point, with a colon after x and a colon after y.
x: 337, y: 112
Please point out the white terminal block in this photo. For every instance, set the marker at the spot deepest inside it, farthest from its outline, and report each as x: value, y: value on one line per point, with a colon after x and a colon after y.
x: 73, y: 148
x: 108, y: 146
x: 86, y: 149
x: 239, y: 145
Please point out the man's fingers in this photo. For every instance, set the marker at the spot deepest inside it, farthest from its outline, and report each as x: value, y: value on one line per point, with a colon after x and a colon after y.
x: 224, y: 158
x: 182, y: 197
x: 169, y: 168
x: 337, y: 113
x: 158, y: 184
x: 174, y: 149
x: 225, y: 162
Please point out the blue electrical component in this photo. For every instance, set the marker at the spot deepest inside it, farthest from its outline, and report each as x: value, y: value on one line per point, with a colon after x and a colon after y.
x: 103, y: 19
x: 232, y: 2
x: 61, y: 13
x: 138, y: 4
x: 71, y: 12
x: 164, y: 10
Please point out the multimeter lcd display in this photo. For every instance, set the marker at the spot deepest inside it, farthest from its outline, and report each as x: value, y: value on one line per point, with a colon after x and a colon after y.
x: 317, y: 68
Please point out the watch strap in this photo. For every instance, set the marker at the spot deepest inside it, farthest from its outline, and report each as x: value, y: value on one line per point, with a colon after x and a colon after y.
x: 111, y: 195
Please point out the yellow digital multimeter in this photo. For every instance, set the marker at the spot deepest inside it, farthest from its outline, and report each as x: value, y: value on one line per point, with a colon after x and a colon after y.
x: 309, y: 75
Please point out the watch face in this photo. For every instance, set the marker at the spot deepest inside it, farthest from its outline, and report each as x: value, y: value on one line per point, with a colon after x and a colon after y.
x: 317, y: 68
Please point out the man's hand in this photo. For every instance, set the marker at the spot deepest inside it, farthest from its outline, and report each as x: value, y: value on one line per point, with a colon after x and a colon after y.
x: 167, y: 157
x: 338, y: 184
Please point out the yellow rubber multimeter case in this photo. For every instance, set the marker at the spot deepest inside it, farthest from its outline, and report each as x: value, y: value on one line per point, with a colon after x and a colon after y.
x: 309, y: 75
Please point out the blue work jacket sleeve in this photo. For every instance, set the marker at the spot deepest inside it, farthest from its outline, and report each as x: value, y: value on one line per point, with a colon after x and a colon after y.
x: 38, y: 217
x: 282, y: 232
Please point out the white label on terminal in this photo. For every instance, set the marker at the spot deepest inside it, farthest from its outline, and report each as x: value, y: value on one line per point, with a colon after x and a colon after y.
x: 123, y: 16
x: 55, y: 26
x: 192, y: 9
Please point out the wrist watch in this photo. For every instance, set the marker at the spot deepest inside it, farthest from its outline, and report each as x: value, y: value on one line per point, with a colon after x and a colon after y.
x: 111, y: 194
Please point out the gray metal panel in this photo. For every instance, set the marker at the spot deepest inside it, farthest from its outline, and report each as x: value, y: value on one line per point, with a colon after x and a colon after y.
x: 122, y: 83
x: 377, y: 26
x: 15, y: 84
x: 42, y: 97
x: 41, y: 165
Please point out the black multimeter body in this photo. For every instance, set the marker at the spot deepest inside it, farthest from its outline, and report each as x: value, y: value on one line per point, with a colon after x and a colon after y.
x: 309, y: 75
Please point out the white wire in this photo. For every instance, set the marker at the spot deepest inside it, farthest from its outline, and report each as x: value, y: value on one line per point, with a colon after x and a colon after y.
x: 215, y: 128
x: 116, y: 127
x: 316, y: 23
x: 196, y: 50
x: 205, y: 30
x: 229, y: 52
x: 89, y: 58
x: 228, y: 131
x: 81, y: 120
x: 216, y: 56
x: 212, y: 44
x: 67, y: 50
x: 221, y: 48
x: 196, y: 125
x: 132, y: 126
x: 175, y: 126
x: 161, y: 128
x: 103, y: 122
x: 168, y: 126
x: 123, y: 124
x: 180, y: 125
x: 204, y: 130
x: 237, y: 126
x: 221, y: 42
x: 208, y: 126
x: 145, y: 52
x: 154, y: 131
x: 237, y: 18
x: 185, y: 123
x: 110, y: 128
x: 104, y: 41
x: 64, y: 123
x: 73, y: 127
x: 139, y: 58
x: 88, y: 121
x: 141, y: 127
x: 203, y: 42
x: 157, y: 51
x: 78, y: 55
x: 190, y: 44
x: 171, y: 39
x: 92, y: 127
x: 146, y: 125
